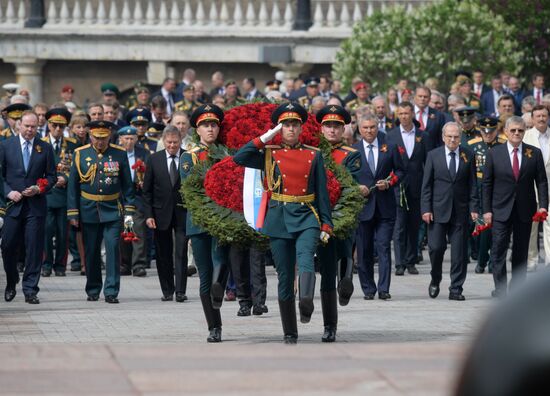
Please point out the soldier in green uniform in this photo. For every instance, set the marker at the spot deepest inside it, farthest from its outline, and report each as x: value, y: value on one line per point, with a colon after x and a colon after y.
x: 336, y: 251
x: 12, y: 114
x: 299, y: 211
x: 188, y: 103
x: 480, y: 146
x: 362, y: 99
x: 100, y: 194
x: 56, y: 217
x: 467, y: 121
x: 312, y: 90
x: 140, y: 98
x: 210, y: 257
x: 140, y: 119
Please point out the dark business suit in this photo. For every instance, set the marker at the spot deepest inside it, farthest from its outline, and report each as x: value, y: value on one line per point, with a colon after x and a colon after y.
x: 513, y: 205
x: 407, y: 196
x: 162, y: 202
x: 488, y: 105
x: 450, y: 201
x: 377, y: 217
x: 25, y: 219
x: 434, y: 126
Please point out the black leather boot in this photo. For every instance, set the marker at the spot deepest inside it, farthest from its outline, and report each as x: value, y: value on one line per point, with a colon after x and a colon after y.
x: 213, y: 319
x: 330, y: 315
x: 345, y: 283
x: 219, y: 281
x: 288, y: 318
x: 307, y: 291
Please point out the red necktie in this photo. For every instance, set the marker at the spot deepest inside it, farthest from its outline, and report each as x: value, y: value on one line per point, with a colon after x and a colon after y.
x: 478, y: 92
x: 515, y: 164
x: 538, y: 97
x: 421, y: 120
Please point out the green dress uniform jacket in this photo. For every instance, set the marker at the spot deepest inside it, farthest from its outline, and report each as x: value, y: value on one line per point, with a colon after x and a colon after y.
x: 57, y: 197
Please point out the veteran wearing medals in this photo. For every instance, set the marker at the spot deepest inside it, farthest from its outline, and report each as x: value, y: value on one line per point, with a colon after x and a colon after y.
x: 100, y: 194
x: 299, y: 211
x: 56, y: 218
x: 336, y: 257
x: 209, y: 256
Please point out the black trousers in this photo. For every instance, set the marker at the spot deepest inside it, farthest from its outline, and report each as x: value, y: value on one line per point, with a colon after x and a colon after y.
x: 248, y: 269
x: 407, y: 228
x: 520, y: 249
x: 167, y: 264
x: 457, y: 232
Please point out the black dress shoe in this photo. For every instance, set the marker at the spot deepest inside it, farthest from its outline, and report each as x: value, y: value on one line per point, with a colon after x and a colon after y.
x: 244, y: 311
x: 140, y: 272
x: 169, y: 297
x: 75, y: 269
x: 400, y: 271
x: 215, y: 335
x: 412, y: 270
x: 191, y: 270
x: 330, y: 334
x: 92, y: 298
x: 290, y: 339
x: 384, y: 296
x: 181, y: 297
x: 456, y: 297
x: 433, y: 290
x: 20, y: 266
x: 419, y: 258
x: 345, y: 290
x: 46, y: 272
x: 32, y: 299
x: 111, y: 299
x: 60, y: 273
x: 9, y: 294
x: 259, y: 309
x: 124, y: 272
x: 479, y: 270
x: 369, y: 296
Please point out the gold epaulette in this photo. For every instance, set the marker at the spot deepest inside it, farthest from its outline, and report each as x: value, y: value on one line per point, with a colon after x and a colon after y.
x: 502, y: 139
x: 272, y: 146
x: 116, y: 146
x: 312, y: 148
x: 5, y: 132
x: 83, y: 147
x: 348, y: 148
x: 195, y: 149
x: 152, y: 138
x: 45, y: 139
x: 475, y: 140
x: 70, y: 139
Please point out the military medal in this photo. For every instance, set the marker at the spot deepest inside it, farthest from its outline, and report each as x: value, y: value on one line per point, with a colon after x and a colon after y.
x: 108, y: 181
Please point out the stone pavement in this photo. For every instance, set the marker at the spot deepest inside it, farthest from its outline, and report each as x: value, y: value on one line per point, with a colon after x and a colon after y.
x: 411, y: 345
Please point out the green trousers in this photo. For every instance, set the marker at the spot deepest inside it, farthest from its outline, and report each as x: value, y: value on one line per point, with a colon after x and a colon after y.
x: 208, y: 254
x: 56, y: 227
x: 289, y: 252
x: 93, y: 234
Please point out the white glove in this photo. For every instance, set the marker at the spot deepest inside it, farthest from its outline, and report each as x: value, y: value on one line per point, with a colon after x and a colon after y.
x: 324, y: 237
x: 128, y: 221
x: 1, y: 222
x: 266, y: 137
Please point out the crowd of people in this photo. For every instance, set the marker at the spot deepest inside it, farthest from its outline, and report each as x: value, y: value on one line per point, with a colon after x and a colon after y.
x: 468, y: 167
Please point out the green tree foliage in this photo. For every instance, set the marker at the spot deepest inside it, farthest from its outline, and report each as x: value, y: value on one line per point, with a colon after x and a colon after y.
x: 532, y: 20
x: 431, y: 41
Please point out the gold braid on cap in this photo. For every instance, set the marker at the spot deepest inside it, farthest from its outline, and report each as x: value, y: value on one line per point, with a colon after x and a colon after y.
x: 89, y: 176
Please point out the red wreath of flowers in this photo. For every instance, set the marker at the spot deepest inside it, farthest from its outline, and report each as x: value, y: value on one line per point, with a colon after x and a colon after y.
x: 223, y: 183
x: 243, y: 123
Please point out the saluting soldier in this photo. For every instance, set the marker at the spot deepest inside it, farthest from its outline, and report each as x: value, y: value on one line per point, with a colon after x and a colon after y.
x: 188, y: 103
x: 12, y: 114
x: 56, y: 217
x: 481, y: 145
x: 467, y: 121
x: 211, y: 259
x: 299, y: 211
x: 336, y: 257
x: 100, y: 195
x: 140, y: 119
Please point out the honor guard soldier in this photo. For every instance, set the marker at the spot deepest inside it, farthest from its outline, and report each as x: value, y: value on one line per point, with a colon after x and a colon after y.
x: 188, y: 103
x: 56, y: 218
x: 336, y: 257
x: 299, y: 212
x: 467, y: 121
x: 312, y: 90
x: 100, y: 195
x: 211, y: 259
x: 140, y: 119
x: 481, y: 145
x: 12, y: 114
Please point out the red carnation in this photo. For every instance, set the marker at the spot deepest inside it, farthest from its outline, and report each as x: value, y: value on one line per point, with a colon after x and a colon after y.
x: 42, y: 185
x: 401, y: 150
x: 393, y: 179
x: 540, y: 217
x: 139, y: 166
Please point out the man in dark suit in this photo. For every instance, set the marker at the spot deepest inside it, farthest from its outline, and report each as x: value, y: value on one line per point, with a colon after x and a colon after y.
x: 250, y: 92
x: 379, y: 159
x: 430, y: 120
x: 413, y: 146
x: 24, y: 160
x: 538, y: 90
x: 479, y: 87
x: 512, y: 172
x: 449, y: 199
x: 165, y: 214
x: 490, y: 98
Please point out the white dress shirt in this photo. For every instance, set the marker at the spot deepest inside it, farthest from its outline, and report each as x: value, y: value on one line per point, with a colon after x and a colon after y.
x: 424, y: 115
x: 536, y: 92
x: 496, y: 96
x: 408, y: 140
x: 169, y: 160
x: 511, y: 153
x: 374, y: 151
x: 131, y: 162
x: 448, y: 158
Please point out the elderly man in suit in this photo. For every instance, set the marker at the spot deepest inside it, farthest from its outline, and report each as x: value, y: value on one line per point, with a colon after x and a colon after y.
x: 166, y: 215
x: 449, y: 199
x: 379, y: 159
x: 512, y: 172
x: 25, y: 159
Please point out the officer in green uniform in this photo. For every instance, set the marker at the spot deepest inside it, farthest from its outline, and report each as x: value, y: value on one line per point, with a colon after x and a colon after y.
x: 312, y: 90
x: 211, y: 258
x: 336, y: 257
x: 12, y: 114
x: 467, y: 121
x: 188, y: 103
x: 155, y: 131
x: 56, y: 217
x: 362, y: 99
x: 299, y: 211
x: 140, y: 98
x: 140, y: 119
x: 99, y: 196
x: 480, y: 146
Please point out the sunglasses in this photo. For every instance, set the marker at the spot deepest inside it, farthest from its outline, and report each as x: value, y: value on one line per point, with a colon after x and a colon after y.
x: 516, y: 130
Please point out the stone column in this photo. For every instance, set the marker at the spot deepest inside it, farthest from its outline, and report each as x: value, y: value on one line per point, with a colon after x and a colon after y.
x: 157, y: 71
x: 28, y: 74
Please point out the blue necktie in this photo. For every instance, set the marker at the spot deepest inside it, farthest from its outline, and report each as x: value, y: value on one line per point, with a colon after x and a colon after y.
x: 370, y: 159
x: 26, y: 155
